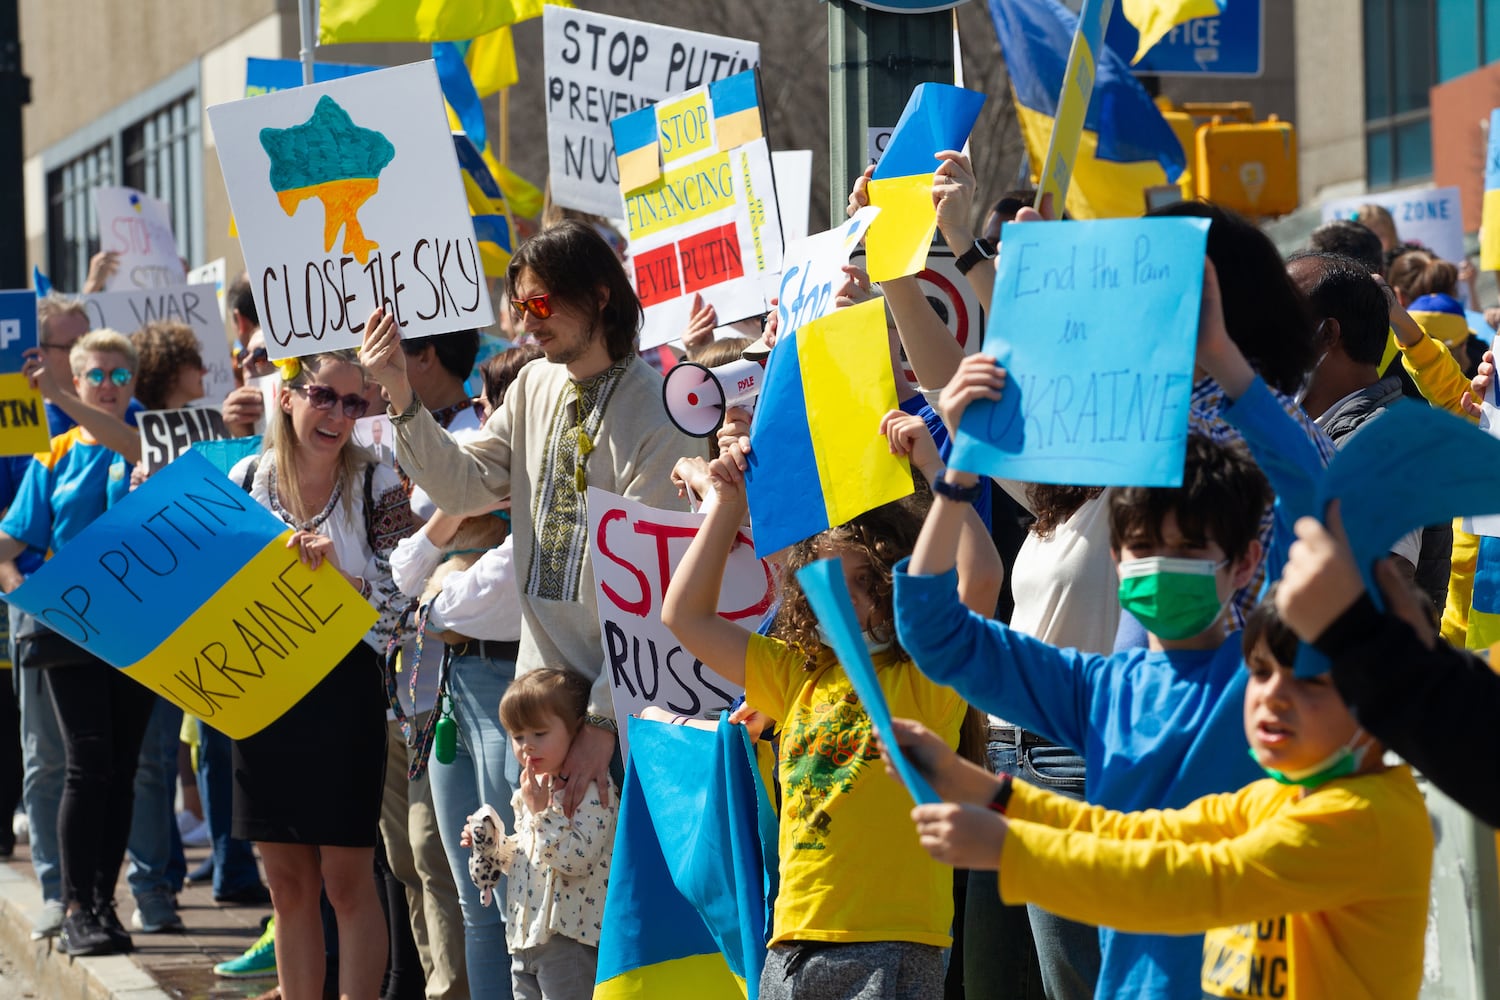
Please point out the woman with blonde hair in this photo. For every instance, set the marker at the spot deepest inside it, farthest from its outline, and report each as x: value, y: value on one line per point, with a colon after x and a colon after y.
x: 308, y: 787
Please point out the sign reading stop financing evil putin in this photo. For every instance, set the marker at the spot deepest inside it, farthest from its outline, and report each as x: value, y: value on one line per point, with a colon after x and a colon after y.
x: 196, y: 306
x: 700, y: 205
x: 188, y: 587
x: 599, y: 68
x: 635, y: 549
x: 348, y: 197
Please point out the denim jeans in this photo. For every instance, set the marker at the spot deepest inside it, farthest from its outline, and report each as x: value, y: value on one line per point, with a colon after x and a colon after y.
x: 1013, y: 951
x: 157, y: 863
x: 234, y: 859
x: 476, y: 777
x: 44, y: 764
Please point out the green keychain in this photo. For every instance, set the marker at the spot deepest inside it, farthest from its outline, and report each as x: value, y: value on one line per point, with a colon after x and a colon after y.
x: 445, y: 734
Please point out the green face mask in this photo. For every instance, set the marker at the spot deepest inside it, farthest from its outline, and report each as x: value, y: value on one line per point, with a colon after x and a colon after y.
x: 1171, y: 598
x: 1340, y: 764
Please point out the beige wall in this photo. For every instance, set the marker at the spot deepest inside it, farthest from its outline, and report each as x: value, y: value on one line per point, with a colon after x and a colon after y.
x: 1330, y: 97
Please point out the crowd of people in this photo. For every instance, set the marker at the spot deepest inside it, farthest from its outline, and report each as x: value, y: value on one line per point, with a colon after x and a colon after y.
x: 1141, y: 796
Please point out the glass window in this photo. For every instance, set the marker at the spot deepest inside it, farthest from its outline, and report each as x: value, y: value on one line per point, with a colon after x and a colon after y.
x: 1414, y: 151
x: 1457, y: 38
x: 1491, y: 30
x: 72, y: 223
x: 158, y: 153
x: 1377, y: 59
x: 1379, y: 171
x: 1411, y: 32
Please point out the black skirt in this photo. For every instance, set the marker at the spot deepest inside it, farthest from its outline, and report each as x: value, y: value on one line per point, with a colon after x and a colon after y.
x: 316, y: 775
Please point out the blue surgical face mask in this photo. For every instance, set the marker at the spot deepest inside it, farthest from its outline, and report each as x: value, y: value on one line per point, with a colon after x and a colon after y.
x: 1340, y: 764
x: 873, y: 643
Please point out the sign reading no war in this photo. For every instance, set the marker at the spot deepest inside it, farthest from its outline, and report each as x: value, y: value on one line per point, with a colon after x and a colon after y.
x: 1096, y: 324
x: 187, y: 586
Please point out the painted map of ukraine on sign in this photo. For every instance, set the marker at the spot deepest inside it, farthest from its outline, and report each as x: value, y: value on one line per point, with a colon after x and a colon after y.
x: 188, y: 587
x: 699, y: 204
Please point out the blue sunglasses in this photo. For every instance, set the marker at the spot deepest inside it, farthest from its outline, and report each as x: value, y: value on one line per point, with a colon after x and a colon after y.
x: 119, y: 376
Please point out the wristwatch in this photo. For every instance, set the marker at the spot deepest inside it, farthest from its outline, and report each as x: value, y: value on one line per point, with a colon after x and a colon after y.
x: 601, y: 722
x: 982, y: 249
x: 958, y: 494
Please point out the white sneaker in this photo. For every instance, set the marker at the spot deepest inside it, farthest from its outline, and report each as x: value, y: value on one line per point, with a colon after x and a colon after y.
x: 49, y: 922
x: 21, y: 827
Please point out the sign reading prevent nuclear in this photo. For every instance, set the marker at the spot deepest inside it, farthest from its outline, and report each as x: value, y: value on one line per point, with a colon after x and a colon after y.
x: 348, y: 197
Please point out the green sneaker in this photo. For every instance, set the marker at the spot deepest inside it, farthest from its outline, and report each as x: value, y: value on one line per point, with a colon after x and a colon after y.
x: 258, y: 961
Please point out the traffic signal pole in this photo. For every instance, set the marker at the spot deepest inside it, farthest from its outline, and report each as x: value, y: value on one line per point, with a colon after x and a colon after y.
x: 15, y: 93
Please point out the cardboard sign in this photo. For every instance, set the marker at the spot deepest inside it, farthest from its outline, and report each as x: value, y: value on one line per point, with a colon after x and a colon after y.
x: 348, y: 197
x: 188, y: 587
x: 138, y: 228
x: 23, y: 417
x: 635, y: 550
x: 212, y: 273
x: 700, y: 205
x: 599, y: 68
x: 1096, y: 323
x: 813, y: 269
x: 1432, y: 217
x: 166, y: 435
x: 193, y: 305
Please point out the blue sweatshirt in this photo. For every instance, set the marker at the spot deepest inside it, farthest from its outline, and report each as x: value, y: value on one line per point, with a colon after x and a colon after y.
x: 1156, y: 729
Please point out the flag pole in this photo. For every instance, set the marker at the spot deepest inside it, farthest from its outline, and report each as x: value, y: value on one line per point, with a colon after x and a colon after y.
x: 307, y: 17
x: 1073, y: 103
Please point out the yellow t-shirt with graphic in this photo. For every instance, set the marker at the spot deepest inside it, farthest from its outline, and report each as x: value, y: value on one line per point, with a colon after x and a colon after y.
x: 851, y: 866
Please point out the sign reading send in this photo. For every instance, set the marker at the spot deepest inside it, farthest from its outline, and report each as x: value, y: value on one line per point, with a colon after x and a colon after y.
x: 1096, y: 324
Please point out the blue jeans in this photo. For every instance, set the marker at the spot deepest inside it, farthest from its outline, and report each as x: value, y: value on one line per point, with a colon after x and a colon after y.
x: 476, y: 777
x: 44, y: 764
x: 234, y: 859
x: 1026, y: 952
x: 157, y: 863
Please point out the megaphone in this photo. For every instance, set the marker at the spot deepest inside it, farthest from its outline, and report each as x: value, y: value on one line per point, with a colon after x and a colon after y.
x: 696, y: 397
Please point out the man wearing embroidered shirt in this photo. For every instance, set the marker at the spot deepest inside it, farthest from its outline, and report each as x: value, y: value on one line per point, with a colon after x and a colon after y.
x: 1158, y: 727
x: 591, y: 416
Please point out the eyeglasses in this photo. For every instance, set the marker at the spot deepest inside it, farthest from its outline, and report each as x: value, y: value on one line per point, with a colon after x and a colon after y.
x: 119, y: 376
x: 539, y: 306
x: 255, y: 357
x: 322, y: 397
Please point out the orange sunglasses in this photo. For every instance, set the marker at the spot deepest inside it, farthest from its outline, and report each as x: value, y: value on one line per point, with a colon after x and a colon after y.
x: 539, y: 306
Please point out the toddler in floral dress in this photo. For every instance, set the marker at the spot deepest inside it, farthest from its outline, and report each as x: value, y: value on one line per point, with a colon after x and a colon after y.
x: 557, y: 869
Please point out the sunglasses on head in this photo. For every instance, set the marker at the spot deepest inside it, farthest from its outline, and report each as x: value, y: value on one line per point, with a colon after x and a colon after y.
x: 119, y: 376
x: 323, y: 397
x: 539, y: 306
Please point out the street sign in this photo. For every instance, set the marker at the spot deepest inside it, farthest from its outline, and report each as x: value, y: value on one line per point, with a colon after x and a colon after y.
x: 1231, y: 44
x: 909, y: 6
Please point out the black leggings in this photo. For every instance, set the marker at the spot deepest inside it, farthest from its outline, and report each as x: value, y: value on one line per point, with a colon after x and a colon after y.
x: 103, y: 716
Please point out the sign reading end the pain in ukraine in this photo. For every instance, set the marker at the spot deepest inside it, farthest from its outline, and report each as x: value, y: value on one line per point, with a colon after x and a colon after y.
x: 188, y: 587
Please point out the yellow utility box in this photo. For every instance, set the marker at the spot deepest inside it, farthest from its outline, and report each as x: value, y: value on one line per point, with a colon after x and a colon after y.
x: 1249, y: 167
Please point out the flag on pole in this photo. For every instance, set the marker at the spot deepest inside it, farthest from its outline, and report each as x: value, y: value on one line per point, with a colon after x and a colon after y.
x: 1154, y: 18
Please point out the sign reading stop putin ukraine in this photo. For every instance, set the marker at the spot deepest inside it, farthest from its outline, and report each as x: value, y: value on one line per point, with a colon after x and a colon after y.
x: 348, y: 197
x: 188, y: 587
x: 700, y: 204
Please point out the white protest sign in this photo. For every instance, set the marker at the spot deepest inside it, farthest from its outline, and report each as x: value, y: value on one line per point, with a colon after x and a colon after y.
x: 793, y: 190
x: 635, y: 550
x: 1432, y: 217
x: 138, y: 228
x: 168, y: 434
x: 813, y: 268
x: 347, y: 196
x: 599, y: 68
x: 192, y: 305
x: 212, y: 273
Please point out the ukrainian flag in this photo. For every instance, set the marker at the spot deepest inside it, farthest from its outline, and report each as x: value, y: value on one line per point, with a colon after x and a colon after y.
x: 817, y: 458
x: 487, y: 206
x: 1152, y: 19
x: 693, y: 877
x: 341, y: 21
x: 1489, y: 225
x: 1126, y: 145
x: 636, y: 148
x: 736, y: 102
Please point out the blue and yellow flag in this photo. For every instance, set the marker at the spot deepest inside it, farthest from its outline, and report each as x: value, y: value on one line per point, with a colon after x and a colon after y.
x: 342, y: 21
x: 1489, y: 225
x: 1152, y: 19
x: 693, y: 877
x: 493, y: 226
x: 1125, y: 145
x: 188, y: 587
x: 817, y: 456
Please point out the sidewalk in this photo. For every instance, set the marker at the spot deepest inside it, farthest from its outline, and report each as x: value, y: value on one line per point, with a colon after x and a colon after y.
x: 163, y: 966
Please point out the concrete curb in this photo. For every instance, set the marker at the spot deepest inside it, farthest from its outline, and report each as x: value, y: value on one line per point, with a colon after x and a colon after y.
x: 110, y: 977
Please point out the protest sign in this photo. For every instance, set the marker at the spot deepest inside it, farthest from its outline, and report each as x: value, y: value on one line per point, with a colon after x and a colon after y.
x: 212, y: 273
x: 1432, y: 217
x: 1096, y: 323
x: 599, y: 68
x: 370, y: 156
x: 813, y: 268
x: 266, y: 76
x: 700, y: 205
x: 192, y: 305
x: 225, y: 454
x: 951, y: 297
x: 167, y: 434
x: 376, y: 435
x: 138, y: 228
x: 1489, y: 226
x: 635, y: 550
x: 23, y: 418
x: 1489, y: 422
x: 793, y: 169
x: 188, y: 587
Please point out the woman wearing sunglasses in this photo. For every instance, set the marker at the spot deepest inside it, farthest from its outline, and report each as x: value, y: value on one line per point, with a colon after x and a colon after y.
x: 101, y: 712
x: 308, y: 787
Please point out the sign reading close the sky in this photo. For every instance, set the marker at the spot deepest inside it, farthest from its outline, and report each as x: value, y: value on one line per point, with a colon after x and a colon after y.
x: 23, y: 419
x: 700, y: 205
x: 138, y: 228
x: 599, y: 68
x: 196, y: 306
x: 1096, y: 324
x: 348, y: 197
x: 635, y: 549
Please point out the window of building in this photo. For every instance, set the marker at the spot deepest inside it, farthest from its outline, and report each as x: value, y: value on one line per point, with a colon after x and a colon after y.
x: 151, y: 143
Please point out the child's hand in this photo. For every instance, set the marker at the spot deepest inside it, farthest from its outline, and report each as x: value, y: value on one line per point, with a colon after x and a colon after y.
x: 1320, y: 581
x: 755, y: 722
x: 859, y: 197
x: 726, y: 476
x: 736, y: 430
x: 978, y: 377
x: 691, y: 473
x: 953, y: 187
x: 854, y: 290
x: 700, y: 328
x: 962, y: 836
x: 952, y: 777
x: 1479, y: 385
x: 908, y: 435
x: 466, y: 839
x: 1218, y: 354
x: 1407, y: 330
x: 536, y: 790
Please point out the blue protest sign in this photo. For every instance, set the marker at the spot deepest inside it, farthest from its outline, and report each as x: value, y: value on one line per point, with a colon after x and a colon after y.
x: 17, y: 328
x: 1096, y: 323
x: 1230, y: 44
x: 937, y: 116
x: 823, y: 583
x: 266, y: 76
